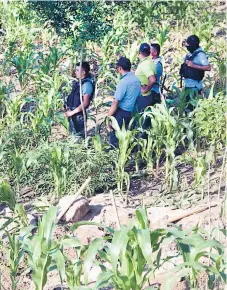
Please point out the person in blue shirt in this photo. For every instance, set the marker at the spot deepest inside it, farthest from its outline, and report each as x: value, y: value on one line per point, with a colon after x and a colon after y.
x: 73, y: 105
x: 194, y: 67
x: 127, y: 91
x: 155, y: 54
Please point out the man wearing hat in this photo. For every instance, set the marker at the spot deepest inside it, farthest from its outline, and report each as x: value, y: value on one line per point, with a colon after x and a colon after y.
x: 127, y: 91
x: 146, y: 73
x: 194, y: 67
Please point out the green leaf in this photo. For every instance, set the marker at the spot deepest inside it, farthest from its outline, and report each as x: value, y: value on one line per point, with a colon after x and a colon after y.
x: 47, y: 225
x: 120, y: 239
x: 7, y: 195
x: 60, y: 262
x: 141, y: 215
x: 169, y: 282
x: 71, y: 242
x: 144, y: 240
x: 90, y: 256
x: 104, y: 279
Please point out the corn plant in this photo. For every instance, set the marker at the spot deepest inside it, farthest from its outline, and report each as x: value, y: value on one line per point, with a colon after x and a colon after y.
x: 168, y: 131
x: 51, y: 61
x: 46, y: 253
x: 15, y: 255
x: 209, y: 121
x: 58, y: 162
x: 200, y: 162
x: 6, y: 195
x: 193, y: 246
x: 77, y: 270
x: 40, y: 249
x: 40, y: 124
x: 131, y: 51
x: 146, y: 150
x: 13, y: 105
x: 130, y: 255
x: 161, y: 35
x: 19, y: 217
x: 126, y: 144
x: 18, y: 166
x: 220, y: 60
x: 23, y: 62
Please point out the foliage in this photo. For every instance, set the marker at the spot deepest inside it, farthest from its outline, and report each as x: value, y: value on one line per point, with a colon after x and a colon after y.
x: 34, y: 64
x: 6, y: 195
x: 125, y: 142
x: 58, y: 163
x: 71, y: 16
x: 193, y: 247
x: 55, y: 168
x: 131, y: 255
x: 168, y: 131
x: 209, y: 120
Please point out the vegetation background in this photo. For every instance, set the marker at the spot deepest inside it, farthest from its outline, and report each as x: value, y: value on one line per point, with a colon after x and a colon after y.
x: 40, y: 43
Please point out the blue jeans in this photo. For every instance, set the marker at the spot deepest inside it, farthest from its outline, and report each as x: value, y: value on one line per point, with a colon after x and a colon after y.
x: 120, y: 116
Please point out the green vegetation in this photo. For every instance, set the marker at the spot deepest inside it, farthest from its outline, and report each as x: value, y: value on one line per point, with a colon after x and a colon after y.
x: 39, y: 44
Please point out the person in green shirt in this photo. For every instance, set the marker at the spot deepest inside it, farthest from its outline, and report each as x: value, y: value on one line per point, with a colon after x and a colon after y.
x: 146, y: 72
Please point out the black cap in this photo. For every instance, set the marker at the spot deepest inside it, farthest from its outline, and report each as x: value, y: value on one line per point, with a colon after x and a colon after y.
x: 193, y: 40
x: 125, y: 63
x: 145, y: 48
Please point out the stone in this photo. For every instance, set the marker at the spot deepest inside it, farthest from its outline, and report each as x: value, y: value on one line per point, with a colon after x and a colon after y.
x: 76, y: 211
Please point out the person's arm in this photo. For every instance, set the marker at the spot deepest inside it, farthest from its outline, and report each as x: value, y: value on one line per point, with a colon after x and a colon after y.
x: 151, y: 81
x: 190, y: 63
x: 86, y: 103
x: 113, y: 108
x: 118, y: 96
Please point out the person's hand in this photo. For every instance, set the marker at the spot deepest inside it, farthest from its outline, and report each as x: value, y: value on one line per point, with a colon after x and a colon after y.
x: 189, y: 63
x: 69, y: 114
x: 109, y: 126
x: 143, y: 90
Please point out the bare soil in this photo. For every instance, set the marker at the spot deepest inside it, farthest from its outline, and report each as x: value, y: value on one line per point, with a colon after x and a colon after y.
x: 161, y: 207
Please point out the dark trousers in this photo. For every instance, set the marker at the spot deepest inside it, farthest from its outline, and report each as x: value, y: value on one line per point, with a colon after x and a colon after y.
x: 76, y: 125
x: 120, y: 116
x: 146, y: 101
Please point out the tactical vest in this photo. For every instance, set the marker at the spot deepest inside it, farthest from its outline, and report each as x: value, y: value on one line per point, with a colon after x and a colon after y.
x: 189, y: 72
x: 73, y: 100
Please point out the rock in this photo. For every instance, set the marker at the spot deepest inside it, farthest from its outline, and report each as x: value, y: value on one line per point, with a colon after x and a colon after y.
x: 76, y: 211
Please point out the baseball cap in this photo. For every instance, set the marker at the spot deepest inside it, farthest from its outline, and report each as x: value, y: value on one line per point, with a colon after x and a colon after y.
x: 192, y: 40
x: 145, y: 48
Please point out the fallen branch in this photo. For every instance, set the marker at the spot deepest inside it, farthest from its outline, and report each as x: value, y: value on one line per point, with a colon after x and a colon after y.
x: 183, y: 215
x: 83, y: 186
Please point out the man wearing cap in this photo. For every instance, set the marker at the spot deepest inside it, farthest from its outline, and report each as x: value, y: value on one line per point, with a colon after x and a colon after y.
x: 127, y: 91
x: 194, y: 67
x: 146, y: 73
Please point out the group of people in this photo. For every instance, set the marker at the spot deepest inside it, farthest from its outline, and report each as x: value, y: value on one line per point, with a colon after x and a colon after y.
x: 135, y: 90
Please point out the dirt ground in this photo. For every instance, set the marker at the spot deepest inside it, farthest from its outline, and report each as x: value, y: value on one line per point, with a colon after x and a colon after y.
x: 161, y: 208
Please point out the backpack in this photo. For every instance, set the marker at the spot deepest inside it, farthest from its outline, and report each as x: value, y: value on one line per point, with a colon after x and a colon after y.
x: 157, y: 83
x: 189, y: 72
